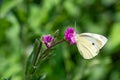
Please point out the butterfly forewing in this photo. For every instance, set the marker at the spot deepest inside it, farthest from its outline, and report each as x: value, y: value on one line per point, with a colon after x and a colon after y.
x: 101, y: 40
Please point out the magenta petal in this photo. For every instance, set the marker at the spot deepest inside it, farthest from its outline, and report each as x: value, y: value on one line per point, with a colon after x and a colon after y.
x: 69, y: 35
x: 72, y: 40
x: 47, y: 39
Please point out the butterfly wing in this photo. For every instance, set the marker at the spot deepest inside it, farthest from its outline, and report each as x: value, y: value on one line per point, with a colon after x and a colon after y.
x: 100, y: 39
x: 89, y: 44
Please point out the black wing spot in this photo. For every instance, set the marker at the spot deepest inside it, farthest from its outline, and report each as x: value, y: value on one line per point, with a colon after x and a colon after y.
x: 93, y: 43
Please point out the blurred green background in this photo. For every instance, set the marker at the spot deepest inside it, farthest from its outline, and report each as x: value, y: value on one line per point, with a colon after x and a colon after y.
x: 22, y: 21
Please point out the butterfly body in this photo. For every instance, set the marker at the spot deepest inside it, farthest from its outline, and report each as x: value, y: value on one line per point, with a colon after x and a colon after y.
x: 89, y: 44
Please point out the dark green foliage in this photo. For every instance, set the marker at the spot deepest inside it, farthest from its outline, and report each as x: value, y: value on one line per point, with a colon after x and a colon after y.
x: 23, y: 22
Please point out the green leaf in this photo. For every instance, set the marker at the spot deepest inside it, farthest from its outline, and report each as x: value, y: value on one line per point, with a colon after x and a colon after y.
x: 8, y: 5
x: 46, y: 56
x: 71, y: 8
x: 10, y: 78
x: 4, y: 26
x: 30, y: 58
x: 114, y: 39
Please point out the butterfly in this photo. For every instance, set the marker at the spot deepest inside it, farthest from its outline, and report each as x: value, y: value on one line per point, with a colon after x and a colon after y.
x: 89, y: 44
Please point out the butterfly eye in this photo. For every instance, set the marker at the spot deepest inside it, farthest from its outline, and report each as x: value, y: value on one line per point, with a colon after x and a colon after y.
x: 93, y: 43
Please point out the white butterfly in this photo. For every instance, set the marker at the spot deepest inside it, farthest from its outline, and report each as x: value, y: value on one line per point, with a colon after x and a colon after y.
x: 89, y: 44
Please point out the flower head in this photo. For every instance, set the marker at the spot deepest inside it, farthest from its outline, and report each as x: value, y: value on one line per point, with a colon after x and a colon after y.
x: 69, y: 35
x: 47, y: 39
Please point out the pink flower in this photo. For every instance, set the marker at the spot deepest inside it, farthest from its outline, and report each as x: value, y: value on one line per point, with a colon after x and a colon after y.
x: 47, y: 39
x: 69, y: 35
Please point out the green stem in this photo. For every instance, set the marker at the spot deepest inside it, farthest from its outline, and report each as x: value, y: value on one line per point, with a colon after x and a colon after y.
x: 54, y: 45
x: 38, y: 57
x: 42, y: 56
x: 37, y: 54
